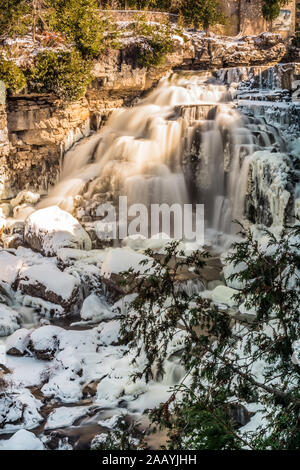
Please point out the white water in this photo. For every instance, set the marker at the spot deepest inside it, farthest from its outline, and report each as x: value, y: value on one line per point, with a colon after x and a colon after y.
x: 139, y: 153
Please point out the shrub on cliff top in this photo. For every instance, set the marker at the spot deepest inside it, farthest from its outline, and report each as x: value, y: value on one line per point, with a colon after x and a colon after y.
x: 14, y: 18
x: 271, y: 9
x: 82, y: 23
x: 65, y: 74
x: 158, y: 42
x: 11, y: 75
x: 204, y: 13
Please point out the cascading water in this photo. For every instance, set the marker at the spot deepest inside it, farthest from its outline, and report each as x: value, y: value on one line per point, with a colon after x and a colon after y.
x: 141, y: 152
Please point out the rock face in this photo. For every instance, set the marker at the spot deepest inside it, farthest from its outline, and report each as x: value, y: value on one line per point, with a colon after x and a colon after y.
x: 215, y: 51
x: 269, y: 199
x: 47, y: 230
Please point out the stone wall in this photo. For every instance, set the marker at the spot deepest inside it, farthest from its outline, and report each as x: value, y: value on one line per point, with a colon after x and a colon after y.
x: 130, y: 15
x: 243, y: 16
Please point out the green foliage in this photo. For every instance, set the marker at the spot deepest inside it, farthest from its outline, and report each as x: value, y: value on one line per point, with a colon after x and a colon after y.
x: 271, y: 8
x: 64, y: 73
x: 203, y: 13
x: 82, y: 23
x: 222, y: 354
x: 11, y: 75
x: 15, y: 17
x: 121, y: 438
x: 157, y: 42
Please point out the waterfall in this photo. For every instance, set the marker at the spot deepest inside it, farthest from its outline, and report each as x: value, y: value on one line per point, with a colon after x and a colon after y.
x: 140, y: 153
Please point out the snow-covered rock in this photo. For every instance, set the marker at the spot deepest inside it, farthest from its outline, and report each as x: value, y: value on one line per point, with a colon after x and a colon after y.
x: 25, y: 197
x: 10, y: 266
x: 67, y: 377
x: 19, y: 409
x: 9, y: 320
x: 245, y: 310
x: 47, y: 230
x: 95, y: 309
x: 44, y: 341
x: 270, y: 194
x: 223, y: 295
x: 22, y: 440
x: 47, y: 282
x: 229, y: 269
x: 18, y: 342
x: 122, y: 259
x: 65, y: 416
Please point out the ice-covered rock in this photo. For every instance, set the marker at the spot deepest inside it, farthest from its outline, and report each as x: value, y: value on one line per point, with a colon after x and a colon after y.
x: 245, y: 310
x: 18, y: 342
x: 65, y: 416
x: 25, y: 197
x: 224, y: 295
x: 67, y: 377
x: 95, y: 309
x: 44, y: 341
x: 229, y: 269
x: 270, y: 195
x: 19, y: 409
x: 47, y: 230
x: 22, y: 440
x: 5, y: 210
x: 122, y: 259
x: 47, y: 282
x: 115, y: 262
x: 10, y: 266
x: 9, y: 320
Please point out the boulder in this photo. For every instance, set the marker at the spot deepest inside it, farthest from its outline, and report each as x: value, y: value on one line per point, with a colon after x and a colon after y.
x: 95, y: 309
x: 22, y: 440
x: 25, y: 197
x: 18, y: 342
x: 44, y: 342
x: 47, y: 282
x: 47, y: 230
x: 10, y: 266
x: 224, y: 295
x: 9, y: 320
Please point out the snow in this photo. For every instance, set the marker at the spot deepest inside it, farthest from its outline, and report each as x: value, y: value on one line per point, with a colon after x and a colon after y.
x: 65, y: 416
x: 25, y: 197
x: 270, y: 171
x: 109, y: 332
x: 95, y: 309
x: 18, y: 340
x: 10, y: 266
x: 46, y: 338
x: 122, y: 259
x: 9, y: 320
x: 52, y: 228
x: 54, y: 280
x: 22, y: 440
x: 223, y: 295
x: 19, y: 409
x: 229, y: 269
